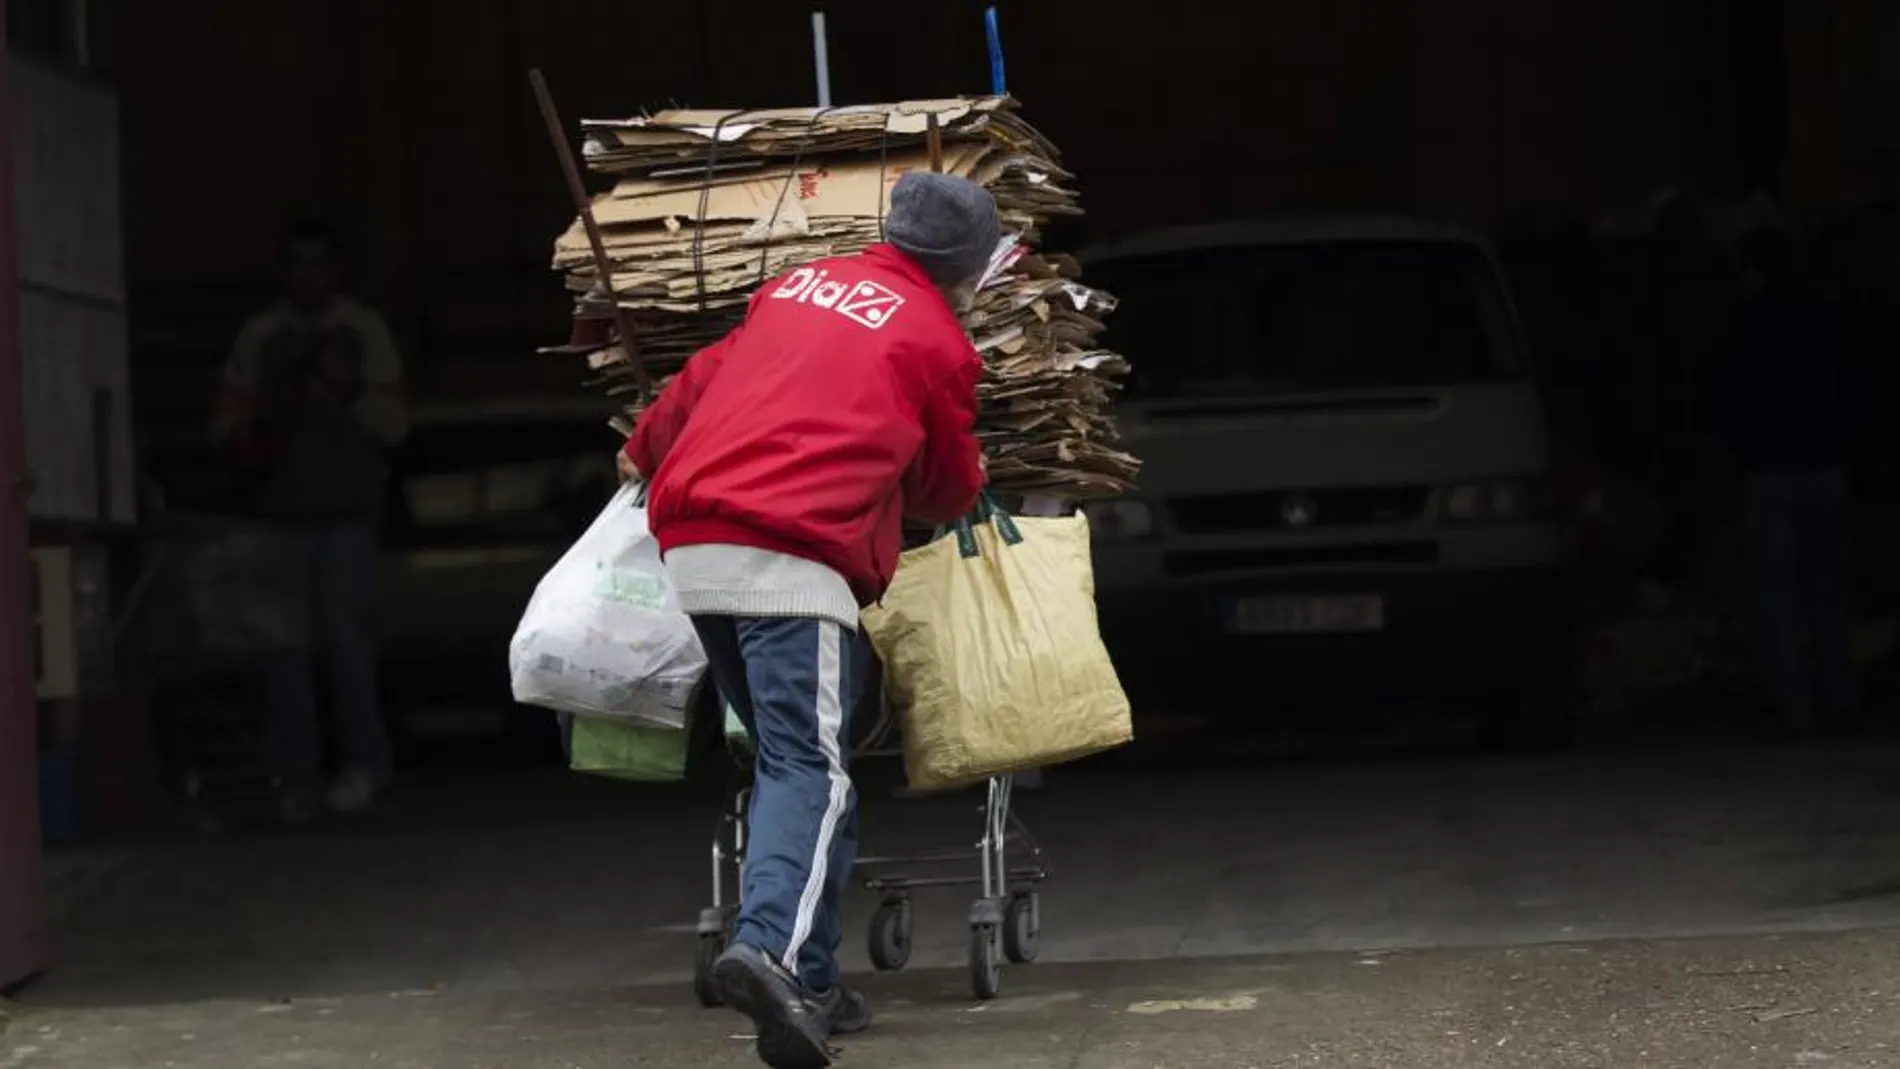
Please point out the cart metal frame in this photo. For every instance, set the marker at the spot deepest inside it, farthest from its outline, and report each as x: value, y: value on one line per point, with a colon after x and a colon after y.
x: 1005, y: 919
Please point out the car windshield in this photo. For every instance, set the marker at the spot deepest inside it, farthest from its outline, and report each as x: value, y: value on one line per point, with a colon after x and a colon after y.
x: 495, y: 483
x: 1279, y: 318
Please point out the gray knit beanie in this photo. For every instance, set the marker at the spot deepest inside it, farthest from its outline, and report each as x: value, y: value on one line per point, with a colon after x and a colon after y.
x: 947, y: 224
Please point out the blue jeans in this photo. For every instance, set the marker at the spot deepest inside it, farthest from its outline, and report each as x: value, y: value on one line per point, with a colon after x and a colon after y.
x: 794, y: 682
x: 1803, y: 598
x: 343, y: 562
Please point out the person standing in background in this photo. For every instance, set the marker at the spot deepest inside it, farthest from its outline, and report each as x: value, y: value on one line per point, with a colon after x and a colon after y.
x: 310, y: 400
x: 1781, y: 399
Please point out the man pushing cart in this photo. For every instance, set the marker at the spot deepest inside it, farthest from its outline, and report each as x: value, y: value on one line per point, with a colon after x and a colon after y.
x: 781, y: 463
x: 1005, y: 918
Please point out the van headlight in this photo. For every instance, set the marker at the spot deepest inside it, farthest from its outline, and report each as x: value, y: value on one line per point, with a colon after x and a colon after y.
x: 1514, y: 500
x: 1119, y: 521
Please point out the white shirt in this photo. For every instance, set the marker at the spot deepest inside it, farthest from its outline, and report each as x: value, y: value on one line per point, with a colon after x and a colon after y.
x: 722, y: 580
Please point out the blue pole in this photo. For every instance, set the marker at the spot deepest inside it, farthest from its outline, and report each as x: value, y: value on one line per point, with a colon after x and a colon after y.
x: 998, y: 85
x: 821, y: 58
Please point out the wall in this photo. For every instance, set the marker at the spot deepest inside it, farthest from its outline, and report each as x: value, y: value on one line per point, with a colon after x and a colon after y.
x: 1844, y: 90
x: 411, y: 122
x: 22, y: 901
x: 72, y: 324
x: 411, y: 125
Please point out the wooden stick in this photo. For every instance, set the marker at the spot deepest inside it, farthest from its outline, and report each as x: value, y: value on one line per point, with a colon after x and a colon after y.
x: 933, y: 135
x: 603, y: 267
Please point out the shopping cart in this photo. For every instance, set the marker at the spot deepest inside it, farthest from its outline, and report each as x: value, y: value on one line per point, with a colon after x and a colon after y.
x: 215, y: 595
x: 1005, y: 919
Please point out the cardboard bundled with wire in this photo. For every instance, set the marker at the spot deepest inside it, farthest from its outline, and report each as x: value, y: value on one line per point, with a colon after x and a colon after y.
x: 707, y: 205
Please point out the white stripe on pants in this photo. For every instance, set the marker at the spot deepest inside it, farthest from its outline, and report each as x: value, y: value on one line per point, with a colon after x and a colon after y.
x: 830, y: 713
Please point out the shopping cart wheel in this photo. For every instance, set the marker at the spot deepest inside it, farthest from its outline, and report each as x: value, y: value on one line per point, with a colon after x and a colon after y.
x: 890, y: 935
x: 710, y: 947
x: 986, y: 972
x: 1022, y: 928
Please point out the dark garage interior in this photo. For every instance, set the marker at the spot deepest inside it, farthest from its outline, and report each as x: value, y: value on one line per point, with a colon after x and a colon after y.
x: 1546, y: 801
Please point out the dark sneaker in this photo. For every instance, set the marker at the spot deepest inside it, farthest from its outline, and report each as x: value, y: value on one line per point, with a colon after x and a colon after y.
x: 295, y: 811
x: 845, y: 1012
x: 353, y: 792
x: 792, y: 1030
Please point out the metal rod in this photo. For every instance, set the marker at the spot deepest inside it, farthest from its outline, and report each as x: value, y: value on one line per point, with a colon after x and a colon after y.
x: 102, y: 456
x: 896, y: 884
x: 603, y: 267
x: 1028, y: 874
x: 82, y: 34
x: 931, y: 859
x: 988, y: 845
x: 821, y: 58
x: 933, y: 135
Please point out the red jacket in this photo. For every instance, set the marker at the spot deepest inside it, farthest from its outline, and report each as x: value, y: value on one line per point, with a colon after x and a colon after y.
x: 844, y: 403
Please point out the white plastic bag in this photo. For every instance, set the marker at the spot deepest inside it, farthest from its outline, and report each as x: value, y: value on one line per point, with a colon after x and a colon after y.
x: 603, y: 635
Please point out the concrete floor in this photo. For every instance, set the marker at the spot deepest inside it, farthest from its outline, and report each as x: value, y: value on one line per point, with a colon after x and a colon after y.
x: 1733, y: 1003
x: 1725, y: 909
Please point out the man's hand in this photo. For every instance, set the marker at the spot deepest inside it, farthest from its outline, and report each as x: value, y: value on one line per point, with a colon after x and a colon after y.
x: 331, y: 373
x: 624, y: 464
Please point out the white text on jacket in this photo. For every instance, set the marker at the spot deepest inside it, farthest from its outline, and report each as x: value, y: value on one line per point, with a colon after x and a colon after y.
x: 864, y: 303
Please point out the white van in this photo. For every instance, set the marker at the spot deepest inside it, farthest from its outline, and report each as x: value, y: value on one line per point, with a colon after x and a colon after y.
x: 1346, y: 479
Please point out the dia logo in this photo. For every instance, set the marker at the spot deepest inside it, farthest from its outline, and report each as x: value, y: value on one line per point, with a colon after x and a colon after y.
x: 864, y: 303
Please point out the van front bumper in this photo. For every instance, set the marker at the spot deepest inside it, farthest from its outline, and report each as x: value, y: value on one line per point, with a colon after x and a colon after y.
x: 1445, y: 632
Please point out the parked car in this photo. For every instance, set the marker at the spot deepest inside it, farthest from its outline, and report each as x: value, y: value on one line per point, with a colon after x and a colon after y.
x: 1346, y: 481
x: 484, y: 498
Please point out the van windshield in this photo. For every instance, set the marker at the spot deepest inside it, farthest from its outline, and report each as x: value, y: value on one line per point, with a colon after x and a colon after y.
x: 1281, y: 318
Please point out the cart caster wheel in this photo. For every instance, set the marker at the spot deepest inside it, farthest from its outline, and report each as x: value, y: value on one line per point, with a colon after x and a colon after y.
x: 710, y: 947
x: 1022, y: 928
x: 986, y: 972
x: 890, y: 935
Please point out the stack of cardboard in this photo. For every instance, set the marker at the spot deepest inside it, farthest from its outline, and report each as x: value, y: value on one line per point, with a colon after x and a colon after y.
x: 707, y: 205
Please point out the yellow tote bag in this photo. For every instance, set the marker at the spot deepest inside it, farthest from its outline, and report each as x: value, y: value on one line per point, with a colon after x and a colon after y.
x: 992, y: 653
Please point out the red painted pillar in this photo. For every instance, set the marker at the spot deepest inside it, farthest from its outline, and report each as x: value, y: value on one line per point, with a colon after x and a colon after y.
x: 22, y: 912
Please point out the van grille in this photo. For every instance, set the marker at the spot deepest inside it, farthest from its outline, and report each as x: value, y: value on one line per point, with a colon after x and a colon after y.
x: 1194, y: 564
x: 1299, y: 509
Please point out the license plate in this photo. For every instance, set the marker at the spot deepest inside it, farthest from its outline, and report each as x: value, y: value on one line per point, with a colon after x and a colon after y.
x: 1307, y: 616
